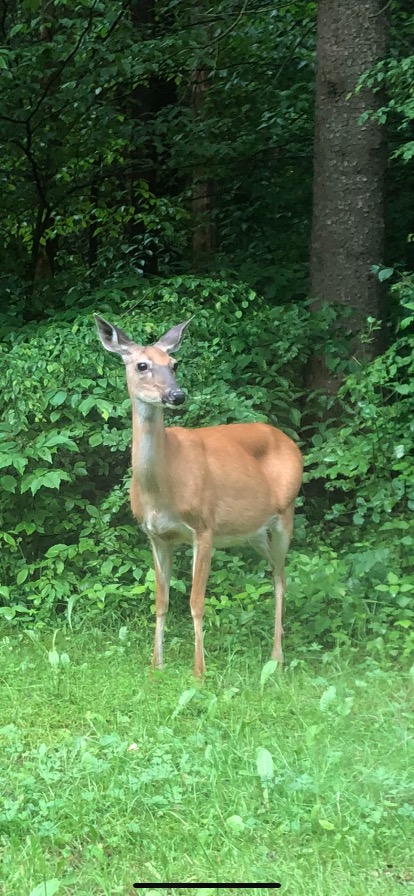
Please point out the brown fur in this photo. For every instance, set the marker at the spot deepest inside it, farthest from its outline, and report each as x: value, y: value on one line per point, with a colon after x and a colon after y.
x: 217, y: 485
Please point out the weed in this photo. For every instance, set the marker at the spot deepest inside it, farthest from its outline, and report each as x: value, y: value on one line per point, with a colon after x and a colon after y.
x: 302, y: 777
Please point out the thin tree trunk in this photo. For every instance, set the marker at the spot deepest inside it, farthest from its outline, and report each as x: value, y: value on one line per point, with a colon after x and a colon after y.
x: 349, y: 164
x: 147, y: 101
x: 203, y: 196
x: 43, y: 253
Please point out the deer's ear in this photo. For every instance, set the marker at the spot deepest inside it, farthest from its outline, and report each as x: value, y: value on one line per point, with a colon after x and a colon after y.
x: 172, y: 340
x: 113, y: 338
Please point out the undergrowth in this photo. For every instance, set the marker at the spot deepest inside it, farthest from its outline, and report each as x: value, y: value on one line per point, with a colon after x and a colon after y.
x: 113, y: 776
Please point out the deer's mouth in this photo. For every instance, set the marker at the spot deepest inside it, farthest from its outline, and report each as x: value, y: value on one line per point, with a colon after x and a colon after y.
x: 174, y: 398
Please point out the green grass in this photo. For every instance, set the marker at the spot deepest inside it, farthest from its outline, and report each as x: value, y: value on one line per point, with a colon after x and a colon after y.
x: 111, y: 775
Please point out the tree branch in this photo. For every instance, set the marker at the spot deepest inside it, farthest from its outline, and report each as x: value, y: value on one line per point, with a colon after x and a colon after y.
x: 27, y: 151
x: 52, y: 80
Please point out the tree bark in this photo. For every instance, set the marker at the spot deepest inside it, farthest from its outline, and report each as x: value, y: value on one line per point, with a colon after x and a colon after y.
x: 203, y: 188
x: 43, y: 254
x: 147, y: 101
x: 349, y: 165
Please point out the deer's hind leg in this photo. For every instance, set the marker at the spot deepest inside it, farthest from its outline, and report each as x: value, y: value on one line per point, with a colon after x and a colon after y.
x: 273, y: 544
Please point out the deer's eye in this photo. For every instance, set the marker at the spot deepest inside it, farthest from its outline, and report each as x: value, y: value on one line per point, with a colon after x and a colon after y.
x: 142, y: 365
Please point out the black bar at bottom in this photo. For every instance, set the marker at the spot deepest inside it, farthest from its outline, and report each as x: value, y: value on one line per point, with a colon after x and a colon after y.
x: 270, y: 886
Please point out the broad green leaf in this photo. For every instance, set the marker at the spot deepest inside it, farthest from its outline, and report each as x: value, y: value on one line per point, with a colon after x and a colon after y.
x: 46, y: 888
x: 57, y: 550
x: 328, y: 698
x: 264, y: 764
x: 95, y: 439
x: 268, y: 669
x: 53, y: 658
x: 235, y: 823
x: 71, y: 603
x: 326, y: 825
x: 8, y: 613
x: 51, y: 479
x: 22, y: 575
x: 8, y: 483
x: 87, y: 404
x: 385, y: 274
x: 59, y: 397
x: 183, y: 699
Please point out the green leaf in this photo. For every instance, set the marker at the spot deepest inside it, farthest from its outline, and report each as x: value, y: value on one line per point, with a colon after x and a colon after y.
x: 56, y: 550
x: 268, y: 669
x: 328, y: 698
x: 55, y: 439
x: 71, y: 602
x: 8, y: 483
x: 87, y: 404
x: 264, y: 764
x: 8, y: 613
x: 53, y: 658
x: 326, y: 825
x: 59, y: 397
x: 95, y: 439
x: 385, y: 274
x: 39, y: 479
x: 183, y: 699
x: 22, y: 576
x: 235, y: 823
x: 46, y: 888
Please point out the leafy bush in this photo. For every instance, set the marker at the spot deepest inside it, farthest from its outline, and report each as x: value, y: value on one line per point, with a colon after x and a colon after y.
x: 64, y: 455
x: 67, y: 532
x: 367, y: 456
x: 366, y: 464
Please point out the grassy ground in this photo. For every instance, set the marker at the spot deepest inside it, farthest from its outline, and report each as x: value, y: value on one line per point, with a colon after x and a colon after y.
x: 112, y: 776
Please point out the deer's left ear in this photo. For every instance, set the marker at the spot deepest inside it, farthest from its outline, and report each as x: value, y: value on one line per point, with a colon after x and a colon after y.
x: 113, y: 338
x: 172, y: 340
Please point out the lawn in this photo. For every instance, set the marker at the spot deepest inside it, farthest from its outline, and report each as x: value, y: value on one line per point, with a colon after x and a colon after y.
x: 113, y: 776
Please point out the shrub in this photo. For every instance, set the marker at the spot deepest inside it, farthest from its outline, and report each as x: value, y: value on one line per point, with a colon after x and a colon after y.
x: 64, y: 440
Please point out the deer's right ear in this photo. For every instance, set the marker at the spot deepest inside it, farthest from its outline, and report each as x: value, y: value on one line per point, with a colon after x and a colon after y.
x: 113, y: 338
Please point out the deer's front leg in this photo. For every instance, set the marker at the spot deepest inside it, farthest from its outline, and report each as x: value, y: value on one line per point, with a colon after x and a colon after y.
x: 202, y: 548
x: 163, y: 553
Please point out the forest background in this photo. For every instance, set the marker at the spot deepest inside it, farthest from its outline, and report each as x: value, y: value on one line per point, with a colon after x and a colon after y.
x: 160, y: 162
x: 249, y: 164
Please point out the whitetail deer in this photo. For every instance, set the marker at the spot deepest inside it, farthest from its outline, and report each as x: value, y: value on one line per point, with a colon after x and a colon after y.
x: 220, y: 485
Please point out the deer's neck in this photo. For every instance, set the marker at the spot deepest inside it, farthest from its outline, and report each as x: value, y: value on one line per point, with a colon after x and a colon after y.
x: 149, y: 449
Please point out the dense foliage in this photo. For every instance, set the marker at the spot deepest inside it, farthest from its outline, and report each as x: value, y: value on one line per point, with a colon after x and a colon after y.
x: 114, y: 128
x: 66, y: 527
x: 157, y: 163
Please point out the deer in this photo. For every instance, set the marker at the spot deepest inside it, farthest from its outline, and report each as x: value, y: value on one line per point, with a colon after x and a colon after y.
x: 212, y: 486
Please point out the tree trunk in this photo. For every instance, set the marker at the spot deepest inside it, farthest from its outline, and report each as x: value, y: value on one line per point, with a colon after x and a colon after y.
x: 203, y: 190
x: 43, y: 253
x: 349, y: 164
x: 147, y: 101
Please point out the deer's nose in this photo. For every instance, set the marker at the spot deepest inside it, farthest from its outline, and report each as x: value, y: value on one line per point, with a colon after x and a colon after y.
x: 174, y: 396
